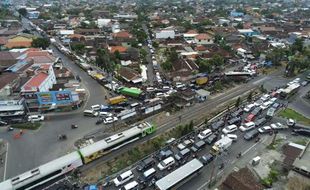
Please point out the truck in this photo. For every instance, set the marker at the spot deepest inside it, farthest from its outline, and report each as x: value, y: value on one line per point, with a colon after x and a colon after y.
x: 221, y: 145
x: 202, y: 80
x: 117, y: 100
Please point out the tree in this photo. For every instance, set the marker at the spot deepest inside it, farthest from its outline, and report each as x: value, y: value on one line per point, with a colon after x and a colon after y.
x: 275, y: 56
x: 167, y: 66
x: 238, y: 101
x: 239, y: 25
x: 117, y: 55
x: 173, y: 55
x: 204, y: 65
x: 40, y: 43
x: 297, y: 45
x: 218, y: 85
x: 250, y: 97
x: 23, y: 12
x: 79, y: 48
x: 217, y: 60
x: 103, y: 61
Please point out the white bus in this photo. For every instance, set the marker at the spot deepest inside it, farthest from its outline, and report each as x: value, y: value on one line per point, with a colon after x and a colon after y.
x: 180, y: 176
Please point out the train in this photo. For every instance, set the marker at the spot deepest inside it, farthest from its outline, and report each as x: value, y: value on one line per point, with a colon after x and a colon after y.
x: 69, y: 162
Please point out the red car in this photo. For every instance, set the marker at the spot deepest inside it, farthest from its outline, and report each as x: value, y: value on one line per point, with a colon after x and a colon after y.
x: 249, y: 118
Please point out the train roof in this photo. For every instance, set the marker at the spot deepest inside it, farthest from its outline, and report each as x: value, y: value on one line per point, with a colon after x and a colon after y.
x: 114, y: 139
x: 45, y: 169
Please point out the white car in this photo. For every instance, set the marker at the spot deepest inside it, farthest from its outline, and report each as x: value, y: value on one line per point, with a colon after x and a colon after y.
x: 258, y: 102
x: 266, y: 105
x: 249, y: 107
x: 95, y: 107
x: 231, y: 136
x: 265, y: 129
x: 230, y: 129
x: 247, y: 126
x: 107, y: 114
x: 123, y: 178
x: 290, y: 122
x: 265, y: 97
x: 110, y: 120
x: 33, y: 118
x: 278, y: 126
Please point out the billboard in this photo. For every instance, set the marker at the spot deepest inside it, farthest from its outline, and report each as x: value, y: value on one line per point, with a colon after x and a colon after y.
x: 55, y: 97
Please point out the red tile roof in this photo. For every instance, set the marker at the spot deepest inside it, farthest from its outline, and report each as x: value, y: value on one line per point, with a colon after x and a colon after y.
x: 191, y: 32
x: 35, y: 81
x: 122, y: 34
x: 18, y: 44
x: 120, y: 49
x: 203, y: 37
x: 3, y: 40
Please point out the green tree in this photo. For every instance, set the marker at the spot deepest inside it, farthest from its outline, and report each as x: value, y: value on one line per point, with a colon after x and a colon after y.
x: 79, y: 48
x: 275, y: 56
x: 40, y: 43
x: 218, y: 85
x: 250, y: 96
x: 238, y: 101
x: 117, y: 55
x: 23, y: 12
x: 155, y: 44
x: 103, y: 61
x: 239, y: 25
x: 297, y: 46
x: 217, y: 60
x: 204, y: 65
x: 167, y: 66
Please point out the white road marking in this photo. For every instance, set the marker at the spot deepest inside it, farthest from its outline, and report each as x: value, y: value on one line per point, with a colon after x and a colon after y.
x: 6, y: 160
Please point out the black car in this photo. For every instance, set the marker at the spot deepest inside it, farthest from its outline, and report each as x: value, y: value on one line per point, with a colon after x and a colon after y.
x: 260, y: 122
x: 3, y: 123
x: 164, y: 154
x: 217, y: 125
x: 257, y: 111
x: 237, y: 113
x: 251, y: 135
x: 304, y: 132
x: 198, y: 146
x: 211, y: 139
x: 235, y: 120
x: 183, y: 154
x: 207, y: 158
x: 145, y: 164
x: 276, y: 105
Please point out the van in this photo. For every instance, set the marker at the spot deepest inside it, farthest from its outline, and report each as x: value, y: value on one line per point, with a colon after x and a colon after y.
x: 123, y: 178
x: 133, y: 105
x: 145, y: 164
x: 149, y: 174
x: 166, y: 163
x: 198, y: 146
x: 182, y: 154
x: 204, y: 134
x: 90, y: 113
x: 95, y: 107
x: 130, y: 186
x: 247, y: 126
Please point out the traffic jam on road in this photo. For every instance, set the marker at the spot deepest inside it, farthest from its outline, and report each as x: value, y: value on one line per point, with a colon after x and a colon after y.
x: 241, y: 125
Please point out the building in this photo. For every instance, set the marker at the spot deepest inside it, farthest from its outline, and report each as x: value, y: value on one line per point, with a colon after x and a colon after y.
x: 301, y: 163
x: 165, y: 34
x: 7, y: 59
x: 247, y: 32
x: 130, y: 75
x: 33, y: 14
x: 103, y: 22
x: 203, y: 39
x: 20, y: 40
x: 8, y: 81
x: 236, y: 14
x: 202, y: 94
x: 189, y: 36
x: 12, y: 108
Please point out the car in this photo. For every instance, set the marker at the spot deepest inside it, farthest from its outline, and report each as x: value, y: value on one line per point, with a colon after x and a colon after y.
x: 105, y: 114
x: 247, y: 126
x: 204, y: 134
x: 207, y: 158
x: 290, y: 122
x: 198, y: 146
x: 265, y: 129
x: 250, y: 118
x: 166, y: 163
x: 33, y: 118
x: 95, y: 107
x: 217, y: 125
x: 278, y: 126
x: 260, y: 122
x: 237, y: 113
x: 165, y: 153
x: 183, y: 154
x: 231, y: 136
x: 235, y: 120
x: 249, y: 108
x: 251, y: 135
x: 273, y: 100
x: 304, y: 83
x: 304, y: 132
x: 258, y: 102
x: 276, y: 105
x: 123, y: 178
x: 211, y: 139
x: 265, y: 105
x: 3, y: 123
x: 108, y: 120
x: 145, y: 164
x: 131, y: 186
x: 257, y: 111
x: 230, y: 129
x: 265, y: 97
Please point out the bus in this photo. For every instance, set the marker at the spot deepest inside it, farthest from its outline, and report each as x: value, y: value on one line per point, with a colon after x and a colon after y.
x: 180, y: 176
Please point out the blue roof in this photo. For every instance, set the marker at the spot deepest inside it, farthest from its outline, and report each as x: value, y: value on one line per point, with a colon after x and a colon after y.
x: 17, y: 66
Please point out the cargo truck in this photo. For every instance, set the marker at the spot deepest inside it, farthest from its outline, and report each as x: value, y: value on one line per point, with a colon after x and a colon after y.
x: 117, y: 100
x: 202, y: 80
x: 221, y: 145
x: 133, y: 92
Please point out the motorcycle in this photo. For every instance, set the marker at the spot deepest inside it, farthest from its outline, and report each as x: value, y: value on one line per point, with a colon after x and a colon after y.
x: 99, y: 121
x: 74, y: 126
x: 221, y: 166
x: 257, y: 139
x: 62, y: 137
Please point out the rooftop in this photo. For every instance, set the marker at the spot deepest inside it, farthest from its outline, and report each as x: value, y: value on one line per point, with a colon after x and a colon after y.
x: 35, y: 82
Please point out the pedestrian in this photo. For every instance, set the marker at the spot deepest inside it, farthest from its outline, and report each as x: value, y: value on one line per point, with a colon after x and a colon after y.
x: 21, y: 132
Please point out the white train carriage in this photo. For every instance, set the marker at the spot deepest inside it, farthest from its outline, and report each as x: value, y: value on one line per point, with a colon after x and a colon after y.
x: 100, y: 148
x: 43, y: 173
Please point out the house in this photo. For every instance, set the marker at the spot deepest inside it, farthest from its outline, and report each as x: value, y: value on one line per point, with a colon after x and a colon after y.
x: 301, y: 163
x: 33, y: 14
x: 76, y: 37
x: 236, y: 14
x: 103, y: 22
x: 20, y: 40
x: 189, y: 36
x: 8, y: 82
x: 129, y: 75
x: 40, y: 57
x: 203, y: 39
x: 165, y: 34
x: 7, y: 59
x: 202, y: 94
x: 40, y: 82
x: 65, y: 32
x: 86, y: 31
x: 120, y: 49
x: 291, y: 151
x: 247, y: 32
x: 122, y: 35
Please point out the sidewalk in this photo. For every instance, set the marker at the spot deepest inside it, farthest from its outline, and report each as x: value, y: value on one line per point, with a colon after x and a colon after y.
x: 3, y: 158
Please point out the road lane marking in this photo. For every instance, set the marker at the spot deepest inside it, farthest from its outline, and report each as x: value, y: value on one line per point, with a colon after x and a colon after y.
x: 6, y: 160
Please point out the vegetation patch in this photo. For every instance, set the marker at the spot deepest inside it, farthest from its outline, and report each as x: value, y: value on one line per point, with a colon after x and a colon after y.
x: 290, y: 113
x: 28, y: 125
x: 302, y: 141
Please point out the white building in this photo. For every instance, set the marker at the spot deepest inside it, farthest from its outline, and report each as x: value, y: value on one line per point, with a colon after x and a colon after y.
x: 165, y: 34
x: 103, y: 22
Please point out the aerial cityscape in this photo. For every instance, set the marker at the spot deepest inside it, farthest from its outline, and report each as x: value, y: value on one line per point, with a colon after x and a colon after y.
x: 154, y: 94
